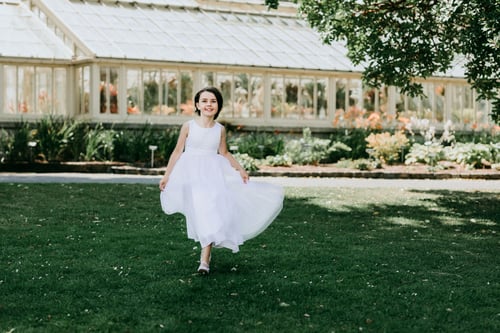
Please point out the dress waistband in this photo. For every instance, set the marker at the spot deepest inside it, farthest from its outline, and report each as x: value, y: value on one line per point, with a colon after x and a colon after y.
x: 199, y: 151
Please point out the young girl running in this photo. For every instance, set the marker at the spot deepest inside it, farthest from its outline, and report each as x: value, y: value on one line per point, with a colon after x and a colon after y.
x: 205, y: 183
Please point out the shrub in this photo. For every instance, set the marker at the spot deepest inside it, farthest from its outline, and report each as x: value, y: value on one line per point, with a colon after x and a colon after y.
x: 258, y: 145
x: 472, y: 155
x: 246, y: 161
x: 6, y: 140
x: 385, y: 147
x: 355, y: 139
x: 132, y: 145
x: 429, y: 153
x: 98, y: 144
x: 14, y: 144
x: 360, y: 164
x: 167, y: 140
x: 54, y: 135
x: 279, y: 160
x: 307, y: 150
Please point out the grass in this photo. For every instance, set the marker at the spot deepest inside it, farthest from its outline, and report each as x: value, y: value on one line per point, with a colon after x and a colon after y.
x: 104, y: 258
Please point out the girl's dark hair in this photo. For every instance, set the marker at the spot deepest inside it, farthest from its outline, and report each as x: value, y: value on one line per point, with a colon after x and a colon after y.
x: 217, y: 95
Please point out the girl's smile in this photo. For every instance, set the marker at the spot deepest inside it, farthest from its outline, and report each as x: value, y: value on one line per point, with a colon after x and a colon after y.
x: 208, y: 103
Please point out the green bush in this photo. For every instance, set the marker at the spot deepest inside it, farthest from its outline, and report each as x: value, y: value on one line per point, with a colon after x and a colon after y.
x: 132, y: 145
x: 429, y: 153
x: 54, y: 136
x: 258, y: 144
x: 308, y: 150
x: 387, y: 148
x: 246, y: 161
x: 6, y: 140
x: 279, y: 160
x: 14, y: 144
x: 98, y: 144
x: 355, y: 139
x: 472, y: 155
x: 359, y: 164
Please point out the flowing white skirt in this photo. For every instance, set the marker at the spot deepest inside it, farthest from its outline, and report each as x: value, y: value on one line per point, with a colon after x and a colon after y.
x: 219, y: 208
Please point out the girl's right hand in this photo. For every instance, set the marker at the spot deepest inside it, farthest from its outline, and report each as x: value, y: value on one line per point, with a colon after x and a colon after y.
x: 163, y: 182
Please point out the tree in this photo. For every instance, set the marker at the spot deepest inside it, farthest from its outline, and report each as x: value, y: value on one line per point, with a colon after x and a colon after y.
x: 400, y: 40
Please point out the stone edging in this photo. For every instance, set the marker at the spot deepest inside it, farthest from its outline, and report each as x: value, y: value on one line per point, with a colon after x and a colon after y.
x: 122, y: 168
x: 334, y: 174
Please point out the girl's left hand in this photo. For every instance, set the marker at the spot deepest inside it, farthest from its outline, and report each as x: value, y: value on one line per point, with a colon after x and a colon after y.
x: 244, y: 176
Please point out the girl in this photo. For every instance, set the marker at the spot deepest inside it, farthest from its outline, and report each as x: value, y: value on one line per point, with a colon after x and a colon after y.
x: 205, y: 183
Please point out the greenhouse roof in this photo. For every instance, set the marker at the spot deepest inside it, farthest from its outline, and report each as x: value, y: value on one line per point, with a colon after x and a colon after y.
x: 216, y: 32
x: 24, y: 36
x: 189, y: 31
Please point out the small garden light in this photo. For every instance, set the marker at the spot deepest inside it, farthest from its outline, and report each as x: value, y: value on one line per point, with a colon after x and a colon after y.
x: 152, y: 148
x: 31, y: 145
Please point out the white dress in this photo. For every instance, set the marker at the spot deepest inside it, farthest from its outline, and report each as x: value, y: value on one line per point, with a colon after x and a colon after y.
x: 220, y: 209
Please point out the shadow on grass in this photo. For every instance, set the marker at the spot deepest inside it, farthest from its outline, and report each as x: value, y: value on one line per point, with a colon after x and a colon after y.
x: 105, y: 258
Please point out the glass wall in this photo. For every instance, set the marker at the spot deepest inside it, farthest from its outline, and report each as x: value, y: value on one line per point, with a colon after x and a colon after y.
x: 34, y: 90
x: 9, y: 89
x: 144, y: 91
x: 108, y: 90
x: 83, y: 86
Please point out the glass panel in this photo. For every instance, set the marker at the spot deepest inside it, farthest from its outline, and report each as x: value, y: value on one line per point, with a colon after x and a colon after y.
x: 241, y: 103
x: 109, y: 90
x: 208, y: 79
x: 9, y: 86
x: 151, y: 79
x: 256, y: 97
x: 483, y: 110
x: 321, y: 98
x: 134, y: 96
x: 60, y: 91
x: 427, y: 102
x: 354, y: 115
x: 186, y: 94
x: 86, y: 90
x: 439, y: 101
x: 44, y: 90
x: 290, y: 107
x: 224, y: 83
x: 25, y: 89
x: 307, y: 109
x: 277, y: 97
x: 169, y: 90
x: 340, y: 103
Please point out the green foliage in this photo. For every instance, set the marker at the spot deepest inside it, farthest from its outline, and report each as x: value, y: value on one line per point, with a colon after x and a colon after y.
x: 99, y: 144
x: 429, y: 153
x: 14, y: 144
x: 355, y: 140
x: 6, y: 140
x: 54, y: 136
x: 246, y: 161
x: 258, y: 144
x: 397, y: 41
x: 279, y: 160
x: 307, y: 150
x: 387, y: 148
x: 167, y: 141
x: 473, y: 155
x: 132, y: 145
x: 363, y: 164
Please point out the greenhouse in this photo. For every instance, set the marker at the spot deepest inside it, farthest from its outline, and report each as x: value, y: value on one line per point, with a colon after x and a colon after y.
x: 132, y: 62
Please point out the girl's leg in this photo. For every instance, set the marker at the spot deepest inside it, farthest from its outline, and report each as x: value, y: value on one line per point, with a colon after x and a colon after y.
x: 205, y: 253
x: 205, y: 260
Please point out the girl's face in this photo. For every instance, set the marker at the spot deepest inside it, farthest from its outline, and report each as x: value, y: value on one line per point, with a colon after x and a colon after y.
x: 208, y: 104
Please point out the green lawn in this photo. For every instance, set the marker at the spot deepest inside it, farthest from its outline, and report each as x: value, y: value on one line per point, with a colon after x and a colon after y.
x: 104, y: 258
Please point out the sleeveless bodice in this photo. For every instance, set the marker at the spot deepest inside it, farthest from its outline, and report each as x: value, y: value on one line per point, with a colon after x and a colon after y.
x: 203, y: 140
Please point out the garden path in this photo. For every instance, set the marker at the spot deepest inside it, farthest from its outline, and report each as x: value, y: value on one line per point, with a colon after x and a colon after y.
x: 432, y: 184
